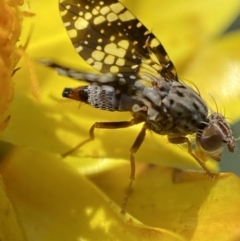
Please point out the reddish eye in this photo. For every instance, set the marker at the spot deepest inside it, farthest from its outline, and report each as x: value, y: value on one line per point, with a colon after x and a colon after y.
x: 211, y: 138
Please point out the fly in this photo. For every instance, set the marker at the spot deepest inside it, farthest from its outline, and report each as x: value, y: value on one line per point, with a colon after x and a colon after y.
x: 137, y: 76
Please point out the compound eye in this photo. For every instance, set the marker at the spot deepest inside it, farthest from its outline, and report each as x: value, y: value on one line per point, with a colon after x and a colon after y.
x: 211, y: 139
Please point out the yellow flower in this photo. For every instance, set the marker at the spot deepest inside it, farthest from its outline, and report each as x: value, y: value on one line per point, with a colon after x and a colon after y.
x: 53, y: 198
x: 9, y: 34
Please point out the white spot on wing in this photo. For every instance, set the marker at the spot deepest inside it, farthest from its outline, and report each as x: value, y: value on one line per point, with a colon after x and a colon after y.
x: 94, y: 12
x: 61, y: 71
x: 126, y: 16
x: 114, y: 69
x: 64, y: 12
x: 154, y: 43
x: 98, y: 55
x: 122, y: 81
x: 72, y: 33
x: 98, y: 65
x: 90, y: 61
x: 66, y: 24
x: 111, y: 17
x: 123, y: 43
x: 80, y: 23
x: 112, y: 38
x: 114, y: 50
x: 88, y: 16
x: 120, y: 62
x: 90, y: 77
x: 106, y: 78
x: 109, y: 59
x: 99, y: 20
x: 104, y: 10
x: 117, y: 7
x: 79, y: 49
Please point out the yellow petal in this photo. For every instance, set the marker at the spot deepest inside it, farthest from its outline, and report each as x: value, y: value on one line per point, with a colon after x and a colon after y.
x: 10, y: 230
x: 54, y: 202
x: 188, y: 203
x: 9, y: 33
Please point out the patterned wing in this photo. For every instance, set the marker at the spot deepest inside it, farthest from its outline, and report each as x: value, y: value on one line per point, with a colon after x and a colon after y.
x: 108, y: 37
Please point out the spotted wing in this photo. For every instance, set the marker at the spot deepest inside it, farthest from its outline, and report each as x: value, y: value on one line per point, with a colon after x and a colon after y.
x: 109, y: 37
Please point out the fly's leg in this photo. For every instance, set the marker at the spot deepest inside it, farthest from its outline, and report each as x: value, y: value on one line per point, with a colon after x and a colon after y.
x: 103, y: 125
x: 137, y: 143
x: 183, y: 139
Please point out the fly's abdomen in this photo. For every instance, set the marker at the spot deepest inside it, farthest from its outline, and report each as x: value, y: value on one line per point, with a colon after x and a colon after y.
x: 104, y: 97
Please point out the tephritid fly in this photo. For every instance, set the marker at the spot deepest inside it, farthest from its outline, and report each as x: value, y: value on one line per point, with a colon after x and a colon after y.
x: 137, y: 76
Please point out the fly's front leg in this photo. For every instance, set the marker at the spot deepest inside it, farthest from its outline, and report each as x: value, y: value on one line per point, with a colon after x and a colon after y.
x: 183, y: 139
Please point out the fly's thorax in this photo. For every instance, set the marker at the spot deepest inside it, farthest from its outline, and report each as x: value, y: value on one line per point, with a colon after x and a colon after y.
x: 173, y: 107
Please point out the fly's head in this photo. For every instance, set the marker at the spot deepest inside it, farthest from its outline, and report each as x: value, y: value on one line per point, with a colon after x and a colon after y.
x: 214, y: 136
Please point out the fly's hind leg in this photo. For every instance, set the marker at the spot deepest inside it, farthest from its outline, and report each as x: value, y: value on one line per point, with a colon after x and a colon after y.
x: 103, y: 125
x: 133, y: 150
x: 183, y: 139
